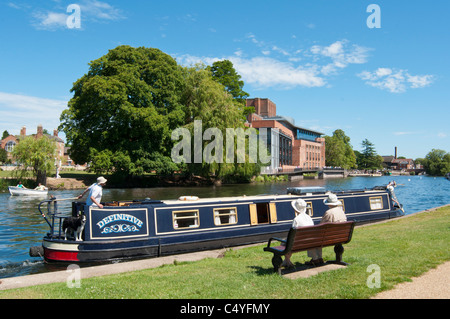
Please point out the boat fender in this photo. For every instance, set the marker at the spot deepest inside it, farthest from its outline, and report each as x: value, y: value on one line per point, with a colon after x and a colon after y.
x: 187, y: 198
x: 36, y: 251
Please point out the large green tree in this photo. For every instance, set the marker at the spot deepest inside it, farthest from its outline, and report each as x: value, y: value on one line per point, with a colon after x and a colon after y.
x: 36, y: 154
x: 124, y: 111
x: 126, y: 105
x: 437, y: 162
x: 339, y: 151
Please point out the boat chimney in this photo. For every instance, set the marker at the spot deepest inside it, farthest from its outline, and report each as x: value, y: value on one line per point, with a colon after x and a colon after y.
x: 396, y: 152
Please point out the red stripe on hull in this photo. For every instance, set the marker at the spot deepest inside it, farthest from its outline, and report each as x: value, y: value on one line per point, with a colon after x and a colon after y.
x: 58, y: 255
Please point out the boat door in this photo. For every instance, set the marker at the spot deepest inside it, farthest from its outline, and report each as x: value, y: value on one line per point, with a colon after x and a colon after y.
x: 263, y: 213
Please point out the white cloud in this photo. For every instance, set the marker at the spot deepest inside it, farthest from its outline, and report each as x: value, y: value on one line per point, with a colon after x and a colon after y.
x: 50, y: 20
x: 341, y: 54
x: 265, y: 72
x: 419, y: 81
x: 404, y: 133
x: 395, y: 81
x: 98, y: 10
x: 18, y: 110
x: 277, y: 67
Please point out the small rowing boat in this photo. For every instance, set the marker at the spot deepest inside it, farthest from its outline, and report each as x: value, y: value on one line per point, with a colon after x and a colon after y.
x: 16, y: 191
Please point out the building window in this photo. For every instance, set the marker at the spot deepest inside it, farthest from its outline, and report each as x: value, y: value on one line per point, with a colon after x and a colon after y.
x: 185, y: 219
x: 225, y: 216
x: 9, y: 147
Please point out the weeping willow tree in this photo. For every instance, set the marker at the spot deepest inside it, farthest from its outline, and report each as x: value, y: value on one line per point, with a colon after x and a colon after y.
x: 35, y: 155
x: 210, y: 114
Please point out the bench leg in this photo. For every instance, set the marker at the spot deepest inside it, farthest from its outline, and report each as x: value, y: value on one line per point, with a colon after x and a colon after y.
x: 276, y: 262
x: 338, y: 250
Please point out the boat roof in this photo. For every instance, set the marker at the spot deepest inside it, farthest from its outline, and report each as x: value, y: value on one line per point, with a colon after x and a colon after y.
x: 227, y: 199
x: 292, y: 193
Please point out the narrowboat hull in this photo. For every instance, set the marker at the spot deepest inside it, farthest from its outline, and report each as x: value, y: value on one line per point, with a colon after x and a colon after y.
x: 142, y: 229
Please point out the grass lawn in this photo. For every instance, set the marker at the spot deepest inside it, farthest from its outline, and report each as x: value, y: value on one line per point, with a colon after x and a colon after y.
x: 403, y: 248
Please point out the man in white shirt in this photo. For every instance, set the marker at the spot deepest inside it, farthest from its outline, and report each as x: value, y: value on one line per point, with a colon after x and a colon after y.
x: 95, y: 193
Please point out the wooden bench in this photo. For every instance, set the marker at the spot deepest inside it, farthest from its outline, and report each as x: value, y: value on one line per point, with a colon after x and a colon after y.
x: 309, y: 237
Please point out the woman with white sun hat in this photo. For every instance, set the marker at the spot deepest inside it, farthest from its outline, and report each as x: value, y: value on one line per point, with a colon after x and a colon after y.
x: 302, y: 219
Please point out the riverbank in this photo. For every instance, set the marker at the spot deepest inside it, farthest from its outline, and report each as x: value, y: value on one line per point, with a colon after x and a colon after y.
x: 81, y: 181
x: 71, y: 181
x: 403, y: 248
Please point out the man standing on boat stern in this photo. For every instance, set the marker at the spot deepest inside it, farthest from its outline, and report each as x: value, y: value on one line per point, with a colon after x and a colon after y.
x: 334, y: 214
x: 95, y: 193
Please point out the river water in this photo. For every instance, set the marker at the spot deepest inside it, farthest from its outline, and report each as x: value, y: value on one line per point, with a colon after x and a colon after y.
x: 21, y: 225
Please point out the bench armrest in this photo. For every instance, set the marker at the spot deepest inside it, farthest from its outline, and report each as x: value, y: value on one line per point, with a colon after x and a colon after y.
x: 275, y: 239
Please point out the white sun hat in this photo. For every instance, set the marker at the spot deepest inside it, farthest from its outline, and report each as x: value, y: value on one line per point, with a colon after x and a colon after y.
x: 101, y: 180
x: 299, y: 205
x: 332, y: 200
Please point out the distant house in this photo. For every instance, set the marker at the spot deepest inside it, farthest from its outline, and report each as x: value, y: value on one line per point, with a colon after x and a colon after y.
x: 406, y: 163
x: 11, y: 141
x: 393, y: 163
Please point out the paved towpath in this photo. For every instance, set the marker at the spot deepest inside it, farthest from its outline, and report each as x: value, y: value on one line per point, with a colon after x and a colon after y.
x: 435, y: 284
x: 103, y: 270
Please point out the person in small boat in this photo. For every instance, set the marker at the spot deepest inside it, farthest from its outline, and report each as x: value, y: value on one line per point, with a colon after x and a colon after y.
x: 20, y: 185
x: 95, y: 193
x: 334, y: 214
x: 302, y: 219
x: 40, y: 187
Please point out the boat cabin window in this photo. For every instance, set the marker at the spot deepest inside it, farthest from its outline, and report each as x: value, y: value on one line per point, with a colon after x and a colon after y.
x: 185, y: 219
x: 225, y: 216
x: 263, y: 213
x: 376, y: 203
x: 343, y: 205
x: 309, y: 209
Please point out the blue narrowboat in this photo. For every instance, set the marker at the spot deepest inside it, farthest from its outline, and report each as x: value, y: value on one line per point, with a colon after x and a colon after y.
x: 152, y: 228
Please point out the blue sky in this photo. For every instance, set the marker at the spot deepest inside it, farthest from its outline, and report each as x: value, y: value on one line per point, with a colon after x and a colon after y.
x: 317, y: 60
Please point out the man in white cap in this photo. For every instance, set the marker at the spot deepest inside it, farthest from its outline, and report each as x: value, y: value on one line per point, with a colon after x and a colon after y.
x: 334, y: 214
x: 302, y: 219
x: 95, y: 193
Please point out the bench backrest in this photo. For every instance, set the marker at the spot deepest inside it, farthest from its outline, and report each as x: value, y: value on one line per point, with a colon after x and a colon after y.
x: 322, y: 235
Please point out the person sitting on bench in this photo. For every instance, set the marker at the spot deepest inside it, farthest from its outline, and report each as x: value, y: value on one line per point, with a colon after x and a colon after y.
x: 302, y: 219
x: 334, y: 214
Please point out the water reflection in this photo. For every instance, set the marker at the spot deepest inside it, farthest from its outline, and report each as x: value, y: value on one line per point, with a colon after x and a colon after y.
x: 21, y: 225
